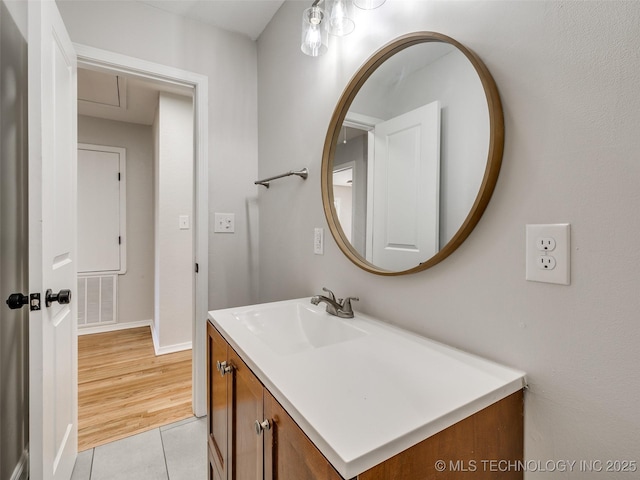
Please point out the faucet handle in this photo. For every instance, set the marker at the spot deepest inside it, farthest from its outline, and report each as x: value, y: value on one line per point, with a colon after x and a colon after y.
x: 346, y: 304
x: 331, y: 295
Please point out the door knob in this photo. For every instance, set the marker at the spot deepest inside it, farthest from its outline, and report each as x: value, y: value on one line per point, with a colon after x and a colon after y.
x: 17, y: 300
x: 63, y: 297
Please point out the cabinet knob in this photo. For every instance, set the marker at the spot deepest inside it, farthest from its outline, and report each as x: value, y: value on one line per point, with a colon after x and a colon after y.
x: 260, y: 427
x: 223, y: 368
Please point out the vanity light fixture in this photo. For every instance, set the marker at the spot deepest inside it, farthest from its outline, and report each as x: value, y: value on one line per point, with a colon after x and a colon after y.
x: 336, y: 19
x: 315, y: 36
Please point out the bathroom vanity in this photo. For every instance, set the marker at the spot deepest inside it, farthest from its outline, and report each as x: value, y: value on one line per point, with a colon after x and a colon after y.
x: 295, y: 393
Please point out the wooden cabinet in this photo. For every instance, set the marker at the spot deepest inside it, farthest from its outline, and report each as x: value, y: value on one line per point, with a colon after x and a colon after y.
x: 239, y: 447
x: 483, y: 446
x: 240, y: 450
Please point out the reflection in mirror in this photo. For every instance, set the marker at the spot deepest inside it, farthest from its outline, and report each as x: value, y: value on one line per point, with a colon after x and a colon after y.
x: 411, y: 155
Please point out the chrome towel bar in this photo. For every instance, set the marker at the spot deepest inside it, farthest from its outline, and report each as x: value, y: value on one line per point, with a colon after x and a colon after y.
x: 304, y: 173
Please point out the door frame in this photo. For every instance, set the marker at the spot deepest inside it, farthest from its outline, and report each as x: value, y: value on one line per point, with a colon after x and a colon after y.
x: 118, y: 63
x: 368, y: 124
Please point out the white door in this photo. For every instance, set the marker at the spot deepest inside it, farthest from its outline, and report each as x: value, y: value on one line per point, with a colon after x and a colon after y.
x: 404, y: 198
x: 53, y: 404
x: 101, y: 209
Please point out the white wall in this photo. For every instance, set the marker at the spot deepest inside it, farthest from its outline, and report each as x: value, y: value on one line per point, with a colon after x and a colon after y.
x: 135, y: 288
x: 229, y: 60
x: 173, y: 191
x: 568, y: 75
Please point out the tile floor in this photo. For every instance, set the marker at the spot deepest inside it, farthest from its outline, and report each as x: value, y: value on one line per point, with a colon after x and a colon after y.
x: 174, y: 452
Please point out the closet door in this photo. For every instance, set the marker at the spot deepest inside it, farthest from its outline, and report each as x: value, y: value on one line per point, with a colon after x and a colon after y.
x: 101, y: 209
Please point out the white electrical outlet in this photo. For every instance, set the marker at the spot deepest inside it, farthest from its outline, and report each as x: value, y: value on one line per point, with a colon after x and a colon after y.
x: 546, y: 262
x: 548, y: 253
x: 224, y: 223
x: 546, y: 244
x: 318, y: 241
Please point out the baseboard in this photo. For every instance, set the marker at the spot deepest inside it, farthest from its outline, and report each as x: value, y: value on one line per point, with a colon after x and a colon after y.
x: 112, y: 327
x: 178, y: 347
x: 21, y: 472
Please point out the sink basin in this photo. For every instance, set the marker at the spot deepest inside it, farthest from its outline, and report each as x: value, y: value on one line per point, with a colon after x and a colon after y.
x: 295, y: 327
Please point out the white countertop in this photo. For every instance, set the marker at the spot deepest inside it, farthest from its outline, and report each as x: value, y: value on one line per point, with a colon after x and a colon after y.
x: 364, y: 400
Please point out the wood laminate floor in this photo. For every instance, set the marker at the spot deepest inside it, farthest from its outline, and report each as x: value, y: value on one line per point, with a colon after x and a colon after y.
x: 125, y: 389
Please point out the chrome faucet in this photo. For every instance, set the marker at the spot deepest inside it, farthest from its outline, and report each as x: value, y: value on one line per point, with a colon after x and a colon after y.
x: 340, y: 307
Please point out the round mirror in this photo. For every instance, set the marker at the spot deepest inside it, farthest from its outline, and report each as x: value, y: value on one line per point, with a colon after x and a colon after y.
x: 412, y: 154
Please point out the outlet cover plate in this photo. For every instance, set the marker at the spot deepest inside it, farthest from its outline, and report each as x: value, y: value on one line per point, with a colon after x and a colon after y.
x: 224, y: 223
x: 561, y: 273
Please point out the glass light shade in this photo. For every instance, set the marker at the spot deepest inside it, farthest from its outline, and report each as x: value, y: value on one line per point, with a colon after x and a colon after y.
x: 315, y: 36
x: 340, y: 17
x: 368, y: 4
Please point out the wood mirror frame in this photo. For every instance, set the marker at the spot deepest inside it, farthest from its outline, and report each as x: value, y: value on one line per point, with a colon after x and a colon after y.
x: 492, y: 169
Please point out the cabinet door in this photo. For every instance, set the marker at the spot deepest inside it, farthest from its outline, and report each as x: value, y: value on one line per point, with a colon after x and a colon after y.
x: 218, y: 393
x: 246, y: 444
x: 289, y: 454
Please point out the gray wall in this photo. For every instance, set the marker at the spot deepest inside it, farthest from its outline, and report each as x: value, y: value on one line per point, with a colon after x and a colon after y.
x: 229, y: 60
x: 135, y: 288
x: 568, y: 74
x: 14, y: 396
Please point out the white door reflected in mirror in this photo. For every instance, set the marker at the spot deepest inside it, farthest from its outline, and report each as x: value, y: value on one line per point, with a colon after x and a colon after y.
x: 406, y: 189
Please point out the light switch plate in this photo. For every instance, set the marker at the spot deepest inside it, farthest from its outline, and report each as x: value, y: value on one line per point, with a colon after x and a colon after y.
x: 318, y: 241
x: 183, y: 222
x: 548, y: 266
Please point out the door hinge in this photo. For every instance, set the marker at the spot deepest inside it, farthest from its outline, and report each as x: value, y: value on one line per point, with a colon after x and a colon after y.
x: 197, y: 268
x: 118, y: 176
x: 119, y: 240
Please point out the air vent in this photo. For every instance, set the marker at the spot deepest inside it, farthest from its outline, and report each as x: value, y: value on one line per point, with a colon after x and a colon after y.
x: 97, y: 300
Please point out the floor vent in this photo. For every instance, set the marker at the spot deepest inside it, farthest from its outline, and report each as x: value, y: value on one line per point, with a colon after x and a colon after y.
x: 97, y: 300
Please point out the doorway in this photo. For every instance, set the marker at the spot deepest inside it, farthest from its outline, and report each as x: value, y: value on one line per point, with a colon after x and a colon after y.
x: 135, y: 254
x: 174, y: 83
